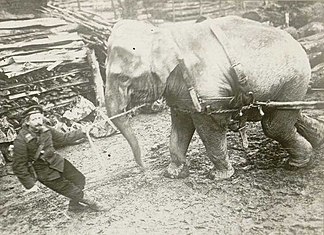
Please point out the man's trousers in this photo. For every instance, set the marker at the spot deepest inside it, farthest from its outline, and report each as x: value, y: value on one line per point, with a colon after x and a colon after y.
x: 70, y: 184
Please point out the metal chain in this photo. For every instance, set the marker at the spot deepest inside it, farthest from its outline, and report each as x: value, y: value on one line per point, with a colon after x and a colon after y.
x: 220, y: 111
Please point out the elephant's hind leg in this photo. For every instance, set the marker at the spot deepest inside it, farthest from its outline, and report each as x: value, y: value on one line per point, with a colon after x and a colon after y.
x: 181, y: 134
x: 212, y: 131
x: 312, y: 129
x: 280, y: 126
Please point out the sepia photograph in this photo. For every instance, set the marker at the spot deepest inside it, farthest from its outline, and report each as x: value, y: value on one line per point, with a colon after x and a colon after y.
x: 171, y: 117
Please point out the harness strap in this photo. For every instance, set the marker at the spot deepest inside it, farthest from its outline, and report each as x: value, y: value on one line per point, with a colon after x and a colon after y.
x: 235, y: 64
x: 190, y: 85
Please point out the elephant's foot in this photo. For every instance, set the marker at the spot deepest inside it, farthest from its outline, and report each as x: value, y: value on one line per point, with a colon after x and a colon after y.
x: 177, y: 172
x: 216, y: 174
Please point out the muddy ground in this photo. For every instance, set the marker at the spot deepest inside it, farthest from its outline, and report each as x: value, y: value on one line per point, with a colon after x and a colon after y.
x: 261, y: 198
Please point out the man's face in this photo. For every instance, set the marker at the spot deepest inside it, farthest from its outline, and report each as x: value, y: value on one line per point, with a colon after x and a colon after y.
x: 35, y: 121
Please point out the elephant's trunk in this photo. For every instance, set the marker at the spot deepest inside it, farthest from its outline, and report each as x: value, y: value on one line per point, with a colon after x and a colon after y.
x: 123, y: 126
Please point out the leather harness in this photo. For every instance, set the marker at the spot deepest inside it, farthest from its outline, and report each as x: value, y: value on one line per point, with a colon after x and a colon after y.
x: 244, y: 99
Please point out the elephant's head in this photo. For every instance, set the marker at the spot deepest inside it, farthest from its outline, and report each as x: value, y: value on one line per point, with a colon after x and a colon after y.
x: 137, y: 68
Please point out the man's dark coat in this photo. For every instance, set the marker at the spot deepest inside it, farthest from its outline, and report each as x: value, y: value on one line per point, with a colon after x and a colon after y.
x: 49, y: 164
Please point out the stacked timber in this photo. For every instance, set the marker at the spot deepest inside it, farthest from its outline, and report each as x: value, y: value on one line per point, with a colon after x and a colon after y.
x: 299, y: 14
x: 314, y: 46
x: 42, y: 61
x: 94, y: 29
x: 98, y: 5
x: 312, y: 39
x: 191, y: 10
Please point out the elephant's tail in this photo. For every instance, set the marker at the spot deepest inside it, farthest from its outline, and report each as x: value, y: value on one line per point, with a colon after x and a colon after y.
x: 311, y: 129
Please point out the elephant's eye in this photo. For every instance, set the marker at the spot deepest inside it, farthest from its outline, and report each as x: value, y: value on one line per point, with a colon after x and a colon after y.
x: 122, y: 78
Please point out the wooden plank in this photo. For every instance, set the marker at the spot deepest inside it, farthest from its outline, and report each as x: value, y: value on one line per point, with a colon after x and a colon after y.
x: 31, y: 93
x: 23, y: 94
x: 10, y: 53
x: 44, y: 22
x: 51, y: 40
x: 73, y: 72
x: 20, y: 69
x: 51, y: 56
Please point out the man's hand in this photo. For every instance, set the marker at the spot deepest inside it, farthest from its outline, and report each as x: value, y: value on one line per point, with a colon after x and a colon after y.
x: 33, y: 189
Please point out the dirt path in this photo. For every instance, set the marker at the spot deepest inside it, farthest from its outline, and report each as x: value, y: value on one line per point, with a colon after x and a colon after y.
x: 262, y: 198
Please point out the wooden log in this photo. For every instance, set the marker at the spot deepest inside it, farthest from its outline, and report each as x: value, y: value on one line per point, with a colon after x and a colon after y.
x: 318, y: 36
x: 311, y: 29
x: 79, y: 17
x: 194, y: 14
x: 101, y: 31
x: 316, y: 58
x: 97, y: 79
x: 317, y: 79
x: 316, y: 45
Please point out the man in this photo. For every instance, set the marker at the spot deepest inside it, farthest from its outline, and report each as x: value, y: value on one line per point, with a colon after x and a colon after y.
x: 35, y: 159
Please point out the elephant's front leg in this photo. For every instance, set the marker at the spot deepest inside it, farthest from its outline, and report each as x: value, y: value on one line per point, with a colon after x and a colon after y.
x: 212, y: 131
x: 181, y: 134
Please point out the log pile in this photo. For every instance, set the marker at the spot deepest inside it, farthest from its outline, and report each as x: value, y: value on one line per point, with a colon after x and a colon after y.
x: 191, y: 10
x: 42, y: 61
x: 312, y: 40
x: 300, y: 14
x: 93, y: 5
x: 94, y: 29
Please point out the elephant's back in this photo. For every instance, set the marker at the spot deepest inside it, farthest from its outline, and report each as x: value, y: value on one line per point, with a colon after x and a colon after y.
x: 270, y: 57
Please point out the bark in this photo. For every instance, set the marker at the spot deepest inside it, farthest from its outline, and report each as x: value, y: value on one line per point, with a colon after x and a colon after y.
x: 317, y: 80
x: 314, y: 43
x: 311, y: 29
x: 316, y: 58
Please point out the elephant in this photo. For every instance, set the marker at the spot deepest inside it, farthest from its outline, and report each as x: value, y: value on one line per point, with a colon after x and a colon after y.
x: 146, y: 62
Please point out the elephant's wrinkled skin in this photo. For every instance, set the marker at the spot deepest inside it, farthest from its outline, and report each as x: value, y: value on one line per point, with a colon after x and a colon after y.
x: 143, y: 65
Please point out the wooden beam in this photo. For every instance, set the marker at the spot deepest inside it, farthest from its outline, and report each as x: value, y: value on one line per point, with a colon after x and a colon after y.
x: 97, y: 79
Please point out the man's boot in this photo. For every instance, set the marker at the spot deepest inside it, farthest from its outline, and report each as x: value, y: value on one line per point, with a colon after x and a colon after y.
x: 92, y: 204
x: 75, y: 206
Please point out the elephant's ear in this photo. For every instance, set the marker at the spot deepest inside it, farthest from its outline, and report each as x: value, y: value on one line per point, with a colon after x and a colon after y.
x: 165, y: 54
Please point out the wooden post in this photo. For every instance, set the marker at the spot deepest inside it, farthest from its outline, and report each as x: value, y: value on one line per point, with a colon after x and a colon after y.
x: 114, y: 9
x: 79, y: 5
x: 97, y: 79
x: 200, y: 8
x: 173, y: 11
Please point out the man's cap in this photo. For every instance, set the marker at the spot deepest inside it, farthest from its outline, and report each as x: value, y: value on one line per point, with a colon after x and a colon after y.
x: 32, y: 109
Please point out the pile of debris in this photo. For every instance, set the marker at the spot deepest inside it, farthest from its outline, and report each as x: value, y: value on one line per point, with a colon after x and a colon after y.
x: 50, y: 61
x: 42, y: 61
